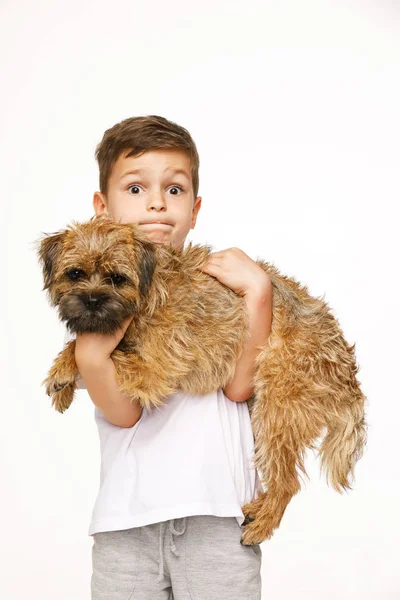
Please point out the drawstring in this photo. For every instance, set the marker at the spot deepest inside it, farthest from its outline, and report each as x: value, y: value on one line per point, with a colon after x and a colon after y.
x: 172, y: 532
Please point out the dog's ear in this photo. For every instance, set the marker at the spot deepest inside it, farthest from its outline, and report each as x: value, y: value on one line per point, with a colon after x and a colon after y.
x: 49, y: 249
x: 146, y: 265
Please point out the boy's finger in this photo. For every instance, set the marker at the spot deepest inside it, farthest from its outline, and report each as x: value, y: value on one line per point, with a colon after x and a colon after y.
x: 124, y: 325
x: 126, y: 322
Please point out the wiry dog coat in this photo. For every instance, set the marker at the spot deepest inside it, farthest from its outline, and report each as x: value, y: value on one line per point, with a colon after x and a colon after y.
x: 187, y: 333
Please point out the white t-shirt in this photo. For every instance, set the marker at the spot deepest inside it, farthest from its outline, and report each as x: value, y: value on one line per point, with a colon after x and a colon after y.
x: 191, y: 457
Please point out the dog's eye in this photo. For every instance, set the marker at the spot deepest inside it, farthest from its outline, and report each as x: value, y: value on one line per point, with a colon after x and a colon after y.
x: 74, y: 274
x: 117, y: 278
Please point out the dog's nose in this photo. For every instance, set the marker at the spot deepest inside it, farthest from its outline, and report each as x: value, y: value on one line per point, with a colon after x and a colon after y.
x: 92, y: 301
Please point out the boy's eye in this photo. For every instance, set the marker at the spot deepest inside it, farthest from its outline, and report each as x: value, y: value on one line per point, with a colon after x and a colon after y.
x: 135, y: 185
x: 178, y: 187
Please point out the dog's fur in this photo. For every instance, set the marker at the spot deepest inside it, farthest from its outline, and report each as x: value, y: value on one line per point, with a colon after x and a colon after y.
x: 187, y: 333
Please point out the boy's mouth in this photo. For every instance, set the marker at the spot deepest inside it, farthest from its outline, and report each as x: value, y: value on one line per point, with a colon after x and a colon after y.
x: 157, y: 223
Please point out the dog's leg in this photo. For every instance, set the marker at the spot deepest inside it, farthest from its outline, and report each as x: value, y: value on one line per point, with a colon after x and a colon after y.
x: 61, y: 380
x: 285, y: 452
x: 293, y: 425
x: 283, y: 430
x: 263, y: 515
x: 149, y: 384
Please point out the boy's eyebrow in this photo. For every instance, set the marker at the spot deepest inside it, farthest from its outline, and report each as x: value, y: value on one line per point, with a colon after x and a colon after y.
x: 174, y: 171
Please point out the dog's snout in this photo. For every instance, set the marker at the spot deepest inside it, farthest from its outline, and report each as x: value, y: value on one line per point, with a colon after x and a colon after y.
x: 92, y: 301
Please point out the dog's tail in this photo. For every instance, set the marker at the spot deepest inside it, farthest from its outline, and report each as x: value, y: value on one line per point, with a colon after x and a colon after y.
x: 346, y: 436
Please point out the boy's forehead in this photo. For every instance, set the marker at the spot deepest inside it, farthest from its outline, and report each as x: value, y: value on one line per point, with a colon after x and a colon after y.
x: 163, y: 161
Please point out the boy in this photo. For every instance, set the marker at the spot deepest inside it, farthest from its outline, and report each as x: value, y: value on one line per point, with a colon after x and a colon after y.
x: 190, y: 462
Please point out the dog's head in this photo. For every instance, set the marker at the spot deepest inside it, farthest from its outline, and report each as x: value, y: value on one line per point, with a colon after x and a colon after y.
x: 97, y: 273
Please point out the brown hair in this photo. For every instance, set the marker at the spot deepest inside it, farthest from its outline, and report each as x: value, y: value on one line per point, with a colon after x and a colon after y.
x: 142, y: 134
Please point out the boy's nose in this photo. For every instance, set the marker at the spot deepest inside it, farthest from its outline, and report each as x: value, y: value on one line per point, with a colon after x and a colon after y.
x: 156, y: 201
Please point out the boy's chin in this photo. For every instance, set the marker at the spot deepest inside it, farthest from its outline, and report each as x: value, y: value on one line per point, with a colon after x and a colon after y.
x: 159, y: 237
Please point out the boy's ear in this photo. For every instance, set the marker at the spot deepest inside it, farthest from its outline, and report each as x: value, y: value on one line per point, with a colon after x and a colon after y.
x: 195, y: 211
x: 48, y: 250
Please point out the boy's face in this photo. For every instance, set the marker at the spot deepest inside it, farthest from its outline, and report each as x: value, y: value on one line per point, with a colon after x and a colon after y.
x: 155, y: 193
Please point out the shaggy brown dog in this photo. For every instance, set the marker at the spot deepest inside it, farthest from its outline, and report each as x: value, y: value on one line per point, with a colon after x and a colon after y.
x: 187, y: 333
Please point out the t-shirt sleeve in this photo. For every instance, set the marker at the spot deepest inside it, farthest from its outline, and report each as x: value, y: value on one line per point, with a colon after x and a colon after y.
x: 68, y: 336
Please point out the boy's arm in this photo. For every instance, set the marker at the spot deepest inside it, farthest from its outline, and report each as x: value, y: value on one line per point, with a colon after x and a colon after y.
x: 259, y: 308
x: 103, y: 390
x: 93, y: 358
x: 240, y: 273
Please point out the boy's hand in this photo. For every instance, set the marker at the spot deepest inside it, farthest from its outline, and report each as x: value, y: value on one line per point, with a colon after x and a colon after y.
x: 94, y: 348
x: 237, y: 271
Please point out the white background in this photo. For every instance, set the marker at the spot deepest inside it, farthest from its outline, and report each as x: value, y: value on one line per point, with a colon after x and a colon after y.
x: 294, y: 107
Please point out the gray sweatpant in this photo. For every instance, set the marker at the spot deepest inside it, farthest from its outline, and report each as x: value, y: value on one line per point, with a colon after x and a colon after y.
x: 191, y: 558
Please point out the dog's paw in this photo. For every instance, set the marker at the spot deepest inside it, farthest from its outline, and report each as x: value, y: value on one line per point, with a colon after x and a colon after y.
x: 55, y: 386
x: 251, y: 534
x: 250, y: 511
x: 255, y: 530
x: 248, y: 519
x: 62, y: 400
x: 60, y: 392
x: 247, y: 538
